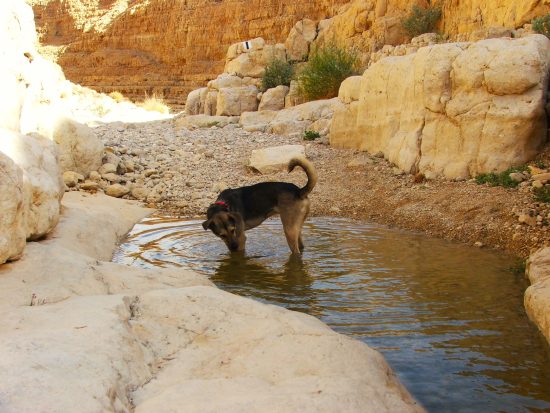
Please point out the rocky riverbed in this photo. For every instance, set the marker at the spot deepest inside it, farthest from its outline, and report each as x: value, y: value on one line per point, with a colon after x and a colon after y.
x: 182, y: 170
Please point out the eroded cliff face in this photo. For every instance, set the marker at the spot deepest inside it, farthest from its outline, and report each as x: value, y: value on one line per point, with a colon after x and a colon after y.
x: 170, y: 47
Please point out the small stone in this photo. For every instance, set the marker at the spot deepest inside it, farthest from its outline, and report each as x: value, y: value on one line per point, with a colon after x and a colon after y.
x: 379, y: 154
x: 95, y: 176
x: 517, y: 177
x: 527, y: 219
x: 89, y: 186
x: 478, y: 244
x: 359, y: 162
x: 111, y: 177
x: 71, y: 178
x: 149, y: 172
x: 219, y: 186
x: 537, y: 184
x: 544, y: 177
x: 117, y: 190
x: 139, y: 192
x: 107, y: 168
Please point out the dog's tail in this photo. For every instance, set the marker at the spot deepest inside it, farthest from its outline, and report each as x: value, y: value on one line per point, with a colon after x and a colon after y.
x: 310, y: 171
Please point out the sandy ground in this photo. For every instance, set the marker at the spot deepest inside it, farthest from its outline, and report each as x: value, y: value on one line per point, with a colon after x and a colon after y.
x: 187, y: 168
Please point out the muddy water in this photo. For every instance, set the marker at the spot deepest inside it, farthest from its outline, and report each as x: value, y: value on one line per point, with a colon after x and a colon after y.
x: 448, y: 318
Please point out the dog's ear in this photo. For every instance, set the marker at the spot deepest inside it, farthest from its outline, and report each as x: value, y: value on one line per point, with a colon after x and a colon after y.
x: 206, y: 224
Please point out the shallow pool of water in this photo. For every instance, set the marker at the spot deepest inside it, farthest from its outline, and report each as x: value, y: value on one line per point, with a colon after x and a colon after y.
x: 448, y: 318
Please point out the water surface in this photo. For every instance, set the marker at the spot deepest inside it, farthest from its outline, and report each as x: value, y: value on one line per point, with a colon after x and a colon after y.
x: 448, y: 318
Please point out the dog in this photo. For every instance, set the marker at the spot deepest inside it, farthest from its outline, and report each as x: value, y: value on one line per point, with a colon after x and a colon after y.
x: 238, y: 210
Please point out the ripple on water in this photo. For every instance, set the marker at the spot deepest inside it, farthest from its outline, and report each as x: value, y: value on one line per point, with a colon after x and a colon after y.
x: 449, y: 318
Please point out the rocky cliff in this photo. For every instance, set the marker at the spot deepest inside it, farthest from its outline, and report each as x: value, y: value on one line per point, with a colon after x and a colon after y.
x: 166, y: 47
x: 170, y: 47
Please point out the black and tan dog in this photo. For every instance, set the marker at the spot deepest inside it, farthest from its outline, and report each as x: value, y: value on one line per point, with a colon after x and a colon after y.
x: 238, y: 210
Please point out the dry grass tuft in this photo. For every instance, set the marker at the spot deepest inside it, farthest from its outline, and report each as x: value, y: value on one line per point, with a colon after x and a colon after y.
x: 117, y: 96
x: 154, y: 104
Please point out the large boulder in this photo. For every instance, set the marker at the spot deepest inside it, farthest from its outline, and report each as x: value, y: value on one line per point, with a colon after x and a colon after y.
x: 299, y: 39
x: 251, y: 62
x: 275, y: 158
x: 274, y: 98
x: 256, y: 121
x: 297, y: 119
x: 42, y: 180
x: 80, y: 150
x: 350, y: 89
x: 453, y: 110
x: 13, y: 228
x: 537, y: 296
x: 236, y: 100
x: 193, y: 104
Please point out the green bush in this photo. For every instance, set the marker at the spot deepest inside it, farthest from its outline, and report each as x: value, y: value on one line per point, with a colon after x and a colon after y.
x: 277, y: 72
x: 311, y: 135
x: 542, y: 194
x: 325, y: 70
x: 421, y: 20
x: 501, y: 179
x: 542, y: 25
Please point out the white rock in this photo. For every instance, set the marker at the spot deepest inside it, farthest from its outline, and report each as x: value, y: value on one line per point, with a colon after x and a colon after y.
x: 274, y: 98
x: 256, y: 121
x: 234, y: 101
x: 276, y: 158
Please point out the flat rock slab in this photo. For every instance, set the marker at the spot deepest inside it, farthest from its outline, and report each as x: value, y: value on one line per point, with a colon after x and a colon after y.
x: 537, y: 296
x: 276, y: 158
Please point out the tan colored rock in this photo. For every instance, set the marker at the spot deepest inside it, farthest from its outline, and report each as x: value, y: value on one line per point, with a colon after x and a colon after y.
x: 299, y: 39
x: 350, y: 89
x: 537, y: 296
x: 12, y: 204
x: 252, y: 62
x: 276, y: 158
x: 42, y: 180
x: 543, y: 177
x: 234, y: 101
x: 79, y: 149
x: 204, y: 121
x: 297, y: 119
x: 117, y: 190
x: 475, y: 101
x: 193, y: 104
x: 71, y: 178
x: 211, y: 103
x: 293, y: 96
x: 274, y: 98
x: 256, y: 121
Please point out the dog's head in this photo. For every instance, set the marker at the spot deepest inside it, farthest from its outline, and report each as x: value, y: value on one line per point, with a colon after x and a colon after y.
x: 229, y: 227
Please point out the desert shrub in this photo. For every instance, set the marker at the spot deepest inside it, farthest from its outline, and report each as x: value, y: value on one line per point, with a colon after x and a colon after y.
x: 542, y: 194
x: 311, y: 135
x: 325, y: 70
x: 117, y: 96
x: 154, y: 104
x: 277, y: 72
x: 542, y: 25
x: 501, y: 179
x: 421, y: 20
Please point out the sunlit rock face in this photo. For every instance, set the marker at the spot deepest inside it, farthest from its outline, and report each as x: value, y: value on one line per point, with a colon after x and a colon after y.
x: 453, y: 110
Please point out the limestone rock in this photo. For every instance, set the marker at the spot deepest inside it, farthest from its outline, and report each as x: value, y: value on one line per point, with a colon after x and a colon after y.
x: 193, y: 104
x: 12, y: 204
x: 454, y: 124
x: 43, y: 185
x: 204, y: 121
x: 117, y: 190
x: 252, y: 62
x: 297, y: 119
x: 274, y: 159
x: 234, y: 101
x: 293, y: 96
x: 256, y: 121
x: 274, y: 98
x: 79, y: 149
x: 107, y: 168
x: 71, y: 178
x: 350, y: 89
x: 299, y: 39
x: 537, y: 296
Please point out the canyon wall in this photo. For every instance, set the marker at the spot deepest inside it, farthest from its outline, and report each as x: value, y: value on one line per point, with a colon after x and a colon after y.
x: 170, y: 47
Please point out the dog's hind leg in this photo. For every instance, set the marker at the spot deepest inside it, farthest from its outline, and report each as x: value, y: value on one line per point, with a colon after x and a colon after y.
x: 293, y: 219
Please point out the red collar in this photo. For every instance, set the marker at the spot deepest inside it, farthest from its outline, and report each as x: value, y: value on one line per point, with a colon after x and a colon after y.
x: 223, y: 204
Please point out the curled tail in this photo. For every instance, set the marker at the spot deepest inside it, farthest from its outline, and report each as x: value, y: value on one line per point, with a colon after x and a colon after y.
x: 310, y: 171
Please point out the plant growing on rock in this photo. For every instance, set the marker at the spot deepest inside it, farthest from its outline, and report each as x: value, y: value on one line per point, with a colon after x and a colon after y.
x: 311, y: 135
x: 542, y: 25
x: 542, y: 194
x: 326, y: 69
x: 277, y: 72
x: 421, y: 20
x: 501, y: 179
